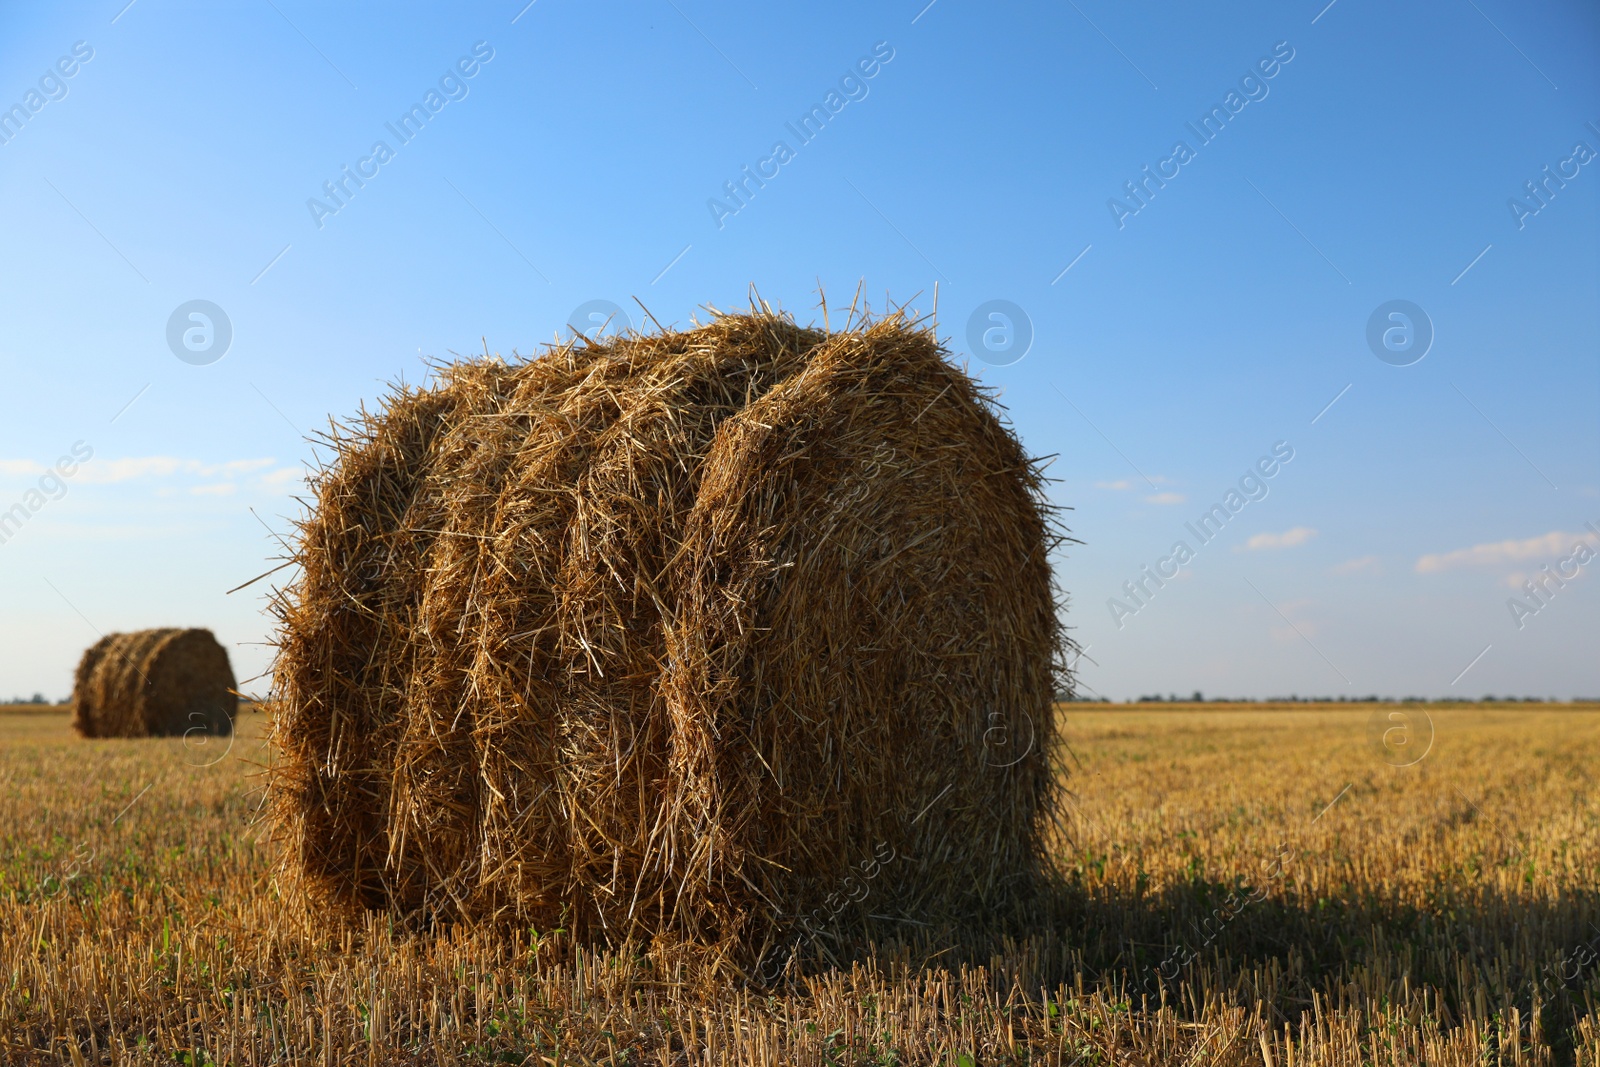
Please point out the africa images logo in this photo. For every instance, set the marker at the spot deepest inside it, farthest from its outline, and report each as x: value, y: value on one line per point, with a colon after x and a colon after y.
x: 1253, y: 87
x: 199, y: 332
x: 1252, y: 487
x: 452, y: 85
x: 852, y: 86
x: 52, y: 485
x: 52, y: 86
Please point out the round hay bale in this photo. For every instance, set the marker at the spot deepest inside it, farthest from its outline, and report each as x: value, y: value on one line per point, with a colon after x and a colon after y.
x: 154, y: 683
x: 730, y: 635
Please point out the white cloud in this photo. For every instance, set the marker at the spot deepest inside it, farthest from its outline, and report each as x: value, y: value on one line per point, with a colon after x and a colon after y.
x: 113, y: 471
x: 1540, y: 578
x: 1289, y: 635
x: 214, y: 489
x: 1545, y: 546
x: 1298, y: 535
x: 234, y: 467
x: 1122, y: 485
x: 106, y: 471
x: 1294, y: 614
x: 1360, y: 565
x: 283, y: 476
x: 1165, y: 498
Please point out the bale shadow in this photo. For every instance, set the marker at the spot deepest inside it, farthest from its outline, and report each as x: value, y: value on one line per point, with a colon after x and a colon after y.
x: 1189, y: 943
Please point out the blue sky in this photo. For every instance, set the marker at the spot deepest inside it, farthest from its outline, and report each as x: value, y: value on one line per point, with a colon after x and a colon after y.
x: 1173, y: 346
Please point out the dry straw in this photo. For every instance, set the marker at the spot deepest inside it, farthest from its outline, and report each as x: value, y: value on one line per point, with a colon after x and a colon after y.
x: 154, y: 683
x: 666, y: 637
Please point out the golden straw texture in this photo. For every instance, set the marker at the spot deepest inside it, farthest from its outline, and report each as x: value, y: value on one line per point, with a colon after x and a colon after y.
x: 675, y: 637
x: 154, y: 683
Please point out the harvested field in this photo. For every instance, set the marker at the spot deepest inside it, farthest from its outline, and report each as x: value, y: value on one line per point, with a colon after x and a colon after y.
x: 1438, y: 913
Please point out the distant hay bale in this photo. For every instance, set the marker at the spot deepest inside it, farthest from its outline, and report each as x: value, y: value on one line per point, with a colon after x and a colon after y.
x: 729, y: 635
x: 154, y: 683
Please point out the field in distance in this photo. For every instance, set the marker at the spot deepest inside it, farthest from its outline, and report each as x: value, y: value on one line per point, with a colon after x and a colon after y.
x: 1241, y: 884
